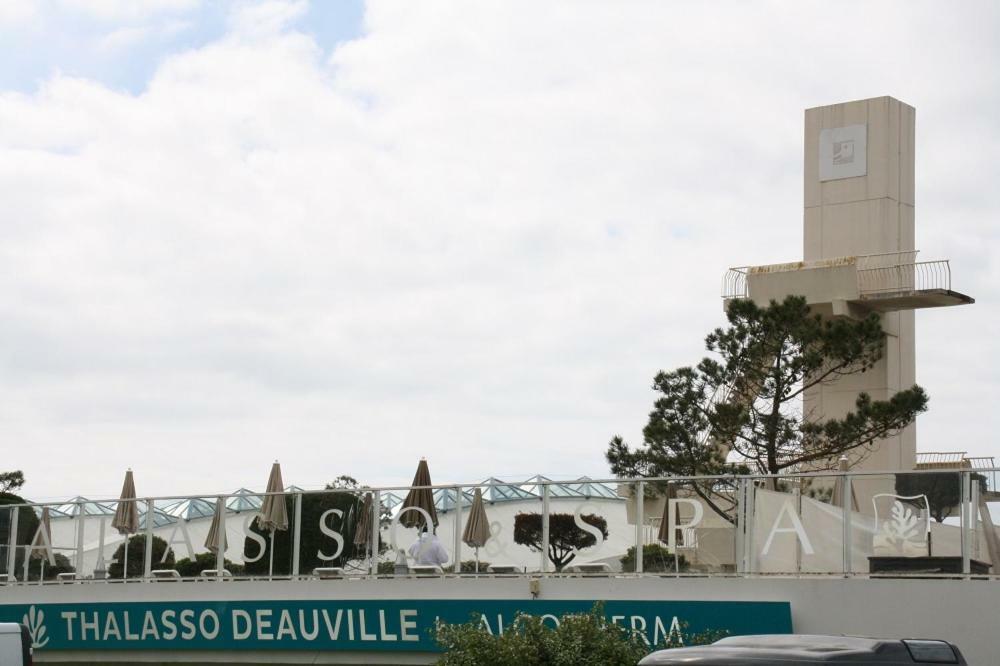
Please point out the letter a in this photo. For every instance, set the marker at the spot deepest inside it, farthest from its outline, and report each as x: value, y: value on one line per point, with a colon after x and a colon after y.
x: 796, y: 527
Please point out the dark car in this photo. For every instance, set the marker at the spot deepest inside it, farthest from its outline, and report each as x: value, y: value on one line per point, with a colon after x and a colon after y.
x: 792, y: 650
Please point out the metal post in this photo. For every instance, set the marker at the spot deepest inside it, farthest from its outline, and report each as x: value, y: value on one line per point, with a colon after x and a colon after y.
x: 964, y: 518
x: 147, y: 567
x: 973, y: 505
x: 297, y: 536
x: 739, y: 541
x: 376, y: 507
x: 12, y: 548
x: 82, y: 518
x: 458, y: 529
x: 640, y: 523
x: 797, y: 495
x: 545, y: 528
x: 845, y: 499
x: 221, y: 540
x: 751, y: 509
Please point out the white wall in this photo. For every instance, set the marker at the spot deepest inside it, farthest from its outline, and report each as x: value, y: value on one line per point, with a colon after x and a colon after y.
x: 960, y: 611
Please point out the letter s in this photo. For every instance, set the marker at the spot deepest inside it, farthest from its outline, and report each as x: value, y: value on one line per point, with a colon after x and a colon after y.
x: 332, y: 534
x: 253, y: 536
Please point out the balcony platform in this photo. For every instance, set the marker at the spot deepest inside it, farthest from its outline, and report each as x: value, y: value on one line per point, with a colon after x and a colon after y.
x: 893, y: 301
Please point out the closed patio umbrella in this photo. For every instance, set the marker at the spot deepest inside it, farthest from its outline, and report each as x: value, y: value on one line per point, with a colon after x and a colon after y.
x: 420, y: 497
x: 363, y: 528
x: 216, y: 538
x: 477, y: 526
x: 843, y: 466
x: 273, y: 513
x: 126, y: 519
x: 664, y: 533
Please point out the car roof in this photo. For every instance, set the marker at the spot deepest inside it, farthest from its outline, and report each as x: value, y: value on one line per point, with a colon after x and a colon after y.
x: 787, y: 649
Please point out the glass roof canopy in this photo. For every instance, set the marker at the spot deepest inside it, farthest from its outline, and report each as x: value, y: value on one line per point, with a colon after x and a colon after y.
x: 494, y: 491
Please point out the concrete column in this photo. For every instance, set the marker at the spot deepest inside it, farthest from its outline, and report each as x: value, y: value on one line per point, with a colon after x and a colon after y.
x: 859, y: 198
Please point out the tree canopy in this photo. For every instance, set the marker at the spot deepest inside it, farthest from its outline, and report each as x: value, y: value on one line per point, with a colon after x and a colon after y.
x: 11, y: 481
x: 565, y: 537
x: 747, y: 399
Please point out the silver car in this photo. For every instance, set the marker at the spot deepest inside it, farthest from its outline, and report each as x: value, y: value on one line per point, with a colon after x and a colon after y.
x: 792, y: 650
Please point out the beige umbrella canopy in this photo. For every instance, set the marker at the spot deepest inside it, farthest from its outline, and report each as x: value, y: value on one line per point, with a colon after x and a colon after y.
x: 126, y: 519
x: 477, y: 526
x: 273, y: 513
x: 420, y: 497
x: 843, y: 466
x: 363, y: 530
x: 664, y: 533
x: 216, y: 538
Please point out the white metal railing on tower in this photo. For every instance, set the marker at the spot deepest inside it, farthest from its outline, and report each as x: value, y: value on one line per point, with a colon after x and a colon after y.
x: 902, y: 276
x: 734, y: 283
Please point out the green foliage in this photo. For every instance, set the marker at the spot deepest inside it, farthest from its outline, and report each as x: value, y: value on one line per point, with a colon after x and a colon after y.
x: 137, y: 557
x: 469, y: 566
x: 586, y: 639
x: 345, y: 498
x: 386, y: 568
x: 942, y: 489
x: 654, y: 558
x: 564, y: 535
x: 189, y: 568
x: 62, y: 565
x: 27, y: 525
x: 747, y: 399
x: 11, y: 481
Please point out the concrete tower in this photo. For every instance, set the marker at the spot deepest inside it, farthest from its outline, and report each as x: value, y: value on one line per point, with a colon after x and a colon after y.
x: 858, y: 199
x: 859, y: 254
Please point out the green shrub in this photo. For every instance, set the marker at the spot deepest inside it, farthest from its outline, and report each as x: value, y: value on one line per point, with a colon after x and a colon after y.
x: 137, y: 557
x: 469, y: 566
x: 62, y: 565
x: 654, y: 558
x: 587, y: 639
x: 27, y: 525
x: 189, y: 568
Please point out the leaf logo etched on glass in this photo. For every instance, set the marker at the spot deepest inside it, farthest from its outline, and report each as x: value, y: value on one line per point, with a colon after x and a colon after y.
x: 905, y: 531
x: 34, y: 620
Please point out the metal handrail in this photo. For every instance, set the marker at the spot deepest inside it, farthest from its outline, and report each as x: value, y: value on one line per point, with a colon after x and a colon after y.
x: 740, y: 483
x: 905, y: 277
x: 734, y: 283
x: 549, y: 482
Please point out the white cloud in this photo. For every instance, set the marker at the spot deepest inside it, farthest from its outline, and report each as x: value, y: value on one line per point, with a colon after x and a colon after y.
x: 265, y: 18
x: 474, y: 234
x: 17, y: 12
x: 127, y: 10
x: 123, y: 38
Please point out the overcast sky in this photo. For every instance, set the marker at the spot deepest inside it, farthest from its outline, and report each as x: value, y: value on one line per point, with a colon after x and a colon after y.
x: 347, y: 235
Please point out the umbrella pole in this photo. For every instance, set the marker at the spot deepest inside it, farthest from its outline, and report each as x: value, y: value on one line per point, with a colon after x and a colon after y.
x: 477, y: 559
x: 125, y: 563
x: 270, y: 568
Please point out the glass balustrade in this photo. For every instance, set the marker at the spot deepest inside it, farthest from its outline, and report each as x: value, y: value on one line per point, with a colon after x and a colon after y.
x: 922, y: 523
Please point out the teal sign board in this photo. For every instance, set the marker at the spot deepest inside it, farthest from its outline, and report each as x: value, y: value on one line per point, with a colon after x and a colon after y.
x: 352, y: 625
